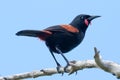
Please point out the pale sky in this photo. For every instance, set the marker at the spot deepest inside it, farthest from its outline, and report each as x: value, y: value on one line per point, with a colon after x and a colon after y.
x: 24, y: 54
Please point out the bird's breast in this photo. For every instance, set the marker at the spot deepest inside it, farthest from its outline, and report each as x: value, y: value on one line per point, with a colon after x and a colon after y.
x: 65, y: 41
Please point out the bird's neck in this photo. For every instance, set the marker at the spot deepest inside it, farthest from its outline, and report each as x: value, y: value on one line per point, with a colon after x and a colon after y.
x: 80, y: 27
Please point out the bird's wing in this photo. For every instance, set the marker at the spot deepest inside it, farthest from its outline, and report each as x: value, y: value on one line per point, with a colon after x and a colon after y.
x: 62, y: 28
x: 48, y: 31
x: 53, y: 29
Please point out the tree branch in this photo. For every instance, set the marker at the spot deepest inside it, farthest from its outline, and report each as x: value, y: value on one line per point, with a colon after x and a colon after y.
x: 105, y: 65
x: 75, y: 66
x: 108, y: 66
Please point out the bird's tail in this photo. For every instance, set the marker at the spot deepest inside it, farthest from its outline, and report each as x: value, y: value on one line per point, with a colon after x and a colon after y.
x: 31, y: 33
x: 34, y: 33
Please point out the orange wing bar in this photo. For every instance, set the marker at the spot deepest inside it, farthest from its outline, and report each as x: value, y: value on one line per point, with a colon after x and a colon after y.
x: 70, y: 28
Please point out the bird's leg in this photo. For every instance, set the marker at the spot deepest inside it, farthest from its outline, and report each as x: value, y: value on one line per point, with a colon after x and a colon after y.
x: 58, y: 65
x: 64, y: 59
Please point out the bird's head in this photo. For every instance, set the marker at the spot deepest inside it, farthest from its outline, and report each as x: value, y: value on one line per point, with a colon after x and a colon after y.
x: 82, y: 21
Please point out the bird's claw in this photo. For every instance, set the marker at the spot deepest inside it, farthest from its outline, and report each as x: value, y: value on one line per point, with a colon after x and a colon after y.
x: 59, y: 69
x: 75, y: 72
x: 66, y: 68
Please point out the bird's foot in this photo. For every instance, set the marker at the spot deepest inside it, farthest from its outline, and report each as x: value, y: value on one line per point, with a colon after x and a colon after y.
x: 66, y: 68
x: 59, y: 69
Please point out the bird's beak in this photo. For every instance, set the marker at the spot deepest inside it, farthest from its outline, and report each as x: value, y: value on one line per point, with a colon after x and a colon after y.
x: 93, y: 17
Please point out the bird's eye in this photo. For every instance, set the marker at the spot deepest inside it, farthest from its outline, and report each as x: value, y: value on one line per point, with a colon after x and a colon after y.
x: 81, y: 17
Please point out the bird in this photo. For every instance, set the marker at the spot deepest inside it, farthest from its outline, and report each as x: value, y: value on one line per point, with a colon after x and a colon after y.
x: 62, y: 38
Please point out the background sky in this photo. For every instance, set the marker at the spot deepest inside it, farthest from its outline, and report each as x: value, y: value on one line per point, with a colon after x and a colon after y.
x: 25, y: 54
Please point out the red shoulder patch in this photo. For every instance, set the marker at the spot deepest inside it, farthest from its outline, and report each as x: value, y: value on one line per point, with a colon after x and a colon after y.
x: 70, y: 28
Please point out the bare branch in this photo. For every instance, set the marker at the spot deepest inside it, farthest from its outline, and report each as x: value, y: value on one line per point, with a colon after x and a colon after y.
x: 75, y: 65
x: 105, y: 65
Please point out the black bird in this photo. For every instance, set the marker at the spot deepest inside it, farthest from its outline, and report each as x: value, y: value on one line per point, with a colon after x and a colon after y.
x: 62, y: 38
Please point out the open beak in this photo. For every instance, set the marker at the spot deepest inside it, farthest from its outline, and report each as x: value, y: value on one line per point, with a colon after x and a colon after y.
x: 92, y: 17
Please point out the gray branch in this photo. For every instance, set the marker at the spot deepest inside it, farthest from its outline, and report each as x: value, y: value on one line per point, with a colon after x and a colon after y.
x: 105, y: 65
x: 108, y: 66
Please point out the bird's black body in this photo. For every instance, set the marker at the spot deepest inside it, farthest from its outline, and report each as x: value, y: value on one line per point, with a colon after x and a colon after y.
x: 62, y: 38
